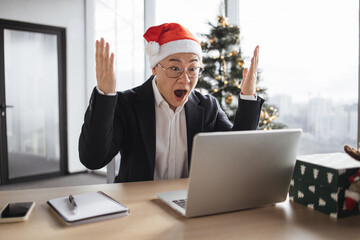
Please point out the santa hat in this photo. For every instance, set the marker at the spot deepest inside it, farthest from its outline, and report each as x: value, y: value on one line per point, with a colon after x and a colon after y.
x: 167, y: 39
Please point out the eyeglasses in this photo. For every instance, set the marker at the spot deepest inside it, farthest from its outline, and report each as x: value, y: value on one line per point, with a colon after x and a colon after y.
x: 174, y: 72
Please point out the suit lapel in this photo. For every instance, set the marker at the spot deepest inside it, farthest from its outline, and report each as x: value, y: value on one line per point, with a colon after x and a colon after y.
x: 145, y: 111
x: 194, y: 121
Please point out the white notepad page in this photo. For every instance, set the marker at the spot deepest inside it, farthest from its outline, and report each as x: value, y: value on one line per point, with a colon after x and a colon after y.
x: 89, y: 205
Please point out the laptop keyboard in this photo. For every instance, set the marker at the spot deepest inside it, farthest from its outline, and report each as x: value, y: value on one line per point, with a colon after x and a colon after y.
x: 180, y: 202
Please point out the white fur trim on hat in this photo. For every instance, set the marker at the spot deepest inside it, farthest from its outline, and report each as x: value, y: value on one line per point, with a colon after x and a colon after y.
x: 178, y: 46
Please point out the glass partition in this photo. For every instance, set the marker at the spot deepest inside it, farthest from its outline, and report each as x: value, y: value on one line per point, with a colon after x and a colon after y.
x: 31, y: 86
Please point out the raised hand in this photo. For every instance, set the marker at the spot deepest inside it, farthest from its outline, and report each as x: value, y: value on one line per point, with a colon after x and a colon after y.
x: 248, y: 84
x: 105, y: 75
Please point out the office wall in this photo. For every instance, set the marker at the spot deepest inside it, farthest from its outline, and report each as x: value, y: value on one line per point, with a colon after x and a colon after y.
x: 69, y: 14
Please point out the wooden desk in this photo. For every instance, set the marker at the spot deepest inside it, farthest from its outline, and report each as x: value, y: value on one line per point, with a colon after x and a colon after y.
x: 151, y: 219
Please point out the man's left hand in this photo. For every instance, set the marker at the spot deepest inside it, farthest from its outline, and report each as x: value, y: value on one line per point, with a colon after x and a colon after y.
x: 248, y: 84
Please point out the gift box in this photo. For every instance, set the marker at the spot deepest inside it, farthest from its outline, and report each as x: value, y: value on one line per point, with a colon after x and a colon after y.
x: 329, y: 183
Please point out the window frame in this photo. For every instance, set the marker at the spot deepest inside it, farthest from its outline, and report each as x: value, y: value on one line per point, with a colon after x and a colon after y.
x: 60, y: 34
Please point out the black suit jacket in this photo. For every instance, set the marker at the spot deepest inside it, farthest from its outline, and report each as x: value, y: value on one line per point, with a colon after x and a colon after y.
x: 126, y: 123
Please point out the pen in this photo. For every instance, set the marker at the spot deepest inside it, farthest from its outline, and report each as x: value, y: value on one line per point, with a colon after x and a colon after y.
x: 73, y: 203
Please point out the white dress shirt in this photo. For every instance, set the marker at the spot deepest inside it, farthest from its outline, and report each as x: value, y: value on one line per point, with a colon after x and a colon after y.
x: 171, y: 139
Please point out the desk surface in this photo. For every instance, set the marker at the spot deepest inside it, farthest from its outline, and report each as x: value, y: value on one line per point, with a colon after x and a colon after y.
x: 151, y: 219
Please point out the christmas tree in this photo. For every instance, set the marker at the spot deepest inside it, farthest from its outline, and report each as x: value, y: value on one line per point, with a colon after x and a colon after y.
x: 224, y: 64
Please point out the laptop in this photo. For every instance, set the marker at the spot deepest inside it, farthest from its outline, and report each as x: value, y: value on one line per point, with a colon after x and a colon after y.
x: 239, y: 170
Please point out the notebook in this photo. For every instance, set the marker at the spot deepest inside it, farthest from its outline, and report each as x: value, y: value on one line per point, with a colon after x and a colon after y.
x: 237, y: 170
x: 91, y: 207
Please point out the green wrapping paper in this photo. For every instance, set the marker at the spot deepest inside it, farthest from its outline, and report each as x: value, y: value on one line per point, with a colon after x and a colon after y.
x: 320, y: 181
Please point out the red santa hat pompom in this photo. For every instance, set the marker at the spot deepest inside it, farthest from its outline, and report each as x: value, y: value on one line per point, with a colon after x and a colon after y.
x: 167, y: 39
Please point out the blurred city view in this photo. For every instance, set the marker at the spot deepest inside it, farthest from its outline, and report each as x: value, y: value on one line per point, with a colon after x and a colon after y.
x: 309, y: 62
x: 327, y: 125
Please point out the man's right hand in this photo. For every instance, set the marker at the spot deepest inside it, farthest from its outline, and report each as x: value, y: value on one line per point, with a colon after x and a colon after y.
x: 105, y: 75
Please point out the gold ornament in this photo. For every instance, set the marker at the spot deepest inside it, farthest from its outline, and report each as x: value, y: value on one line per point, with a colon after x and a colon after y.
x: 216, y: 90
x: 229, y: 99
x: 223, y: 62
x: 266, y: 115
x: 218, y: 77
x: 212, y: 40
x: 234, y: 53
x: 223, y: 21
x: 226, y: 82
x: 241, y: 63
x: 224, y: 68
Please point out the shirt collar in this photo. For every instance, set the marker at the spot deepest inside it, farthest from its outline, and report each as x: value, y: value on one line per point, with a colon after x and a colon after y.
x: 157, y: 95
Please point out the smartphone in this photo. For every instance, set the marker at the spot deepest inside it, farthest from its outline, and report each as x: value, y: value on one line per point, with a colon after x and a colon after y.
x: 16, y: 212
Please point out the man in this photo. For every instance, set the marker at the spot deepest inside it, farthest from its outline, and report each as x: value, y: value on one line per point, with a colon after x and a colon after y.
x: 153, y: 125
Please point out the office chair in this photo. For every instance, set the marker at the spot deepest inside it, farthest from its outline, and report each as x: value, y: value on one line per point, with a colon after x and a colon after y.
x: 112, y: 169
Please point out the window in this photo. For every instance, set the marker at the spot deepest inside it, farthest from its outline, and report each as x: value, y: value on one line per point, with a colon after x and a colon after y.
x: 193, y: 15
x: 121, y: 23
x: 309, y: 57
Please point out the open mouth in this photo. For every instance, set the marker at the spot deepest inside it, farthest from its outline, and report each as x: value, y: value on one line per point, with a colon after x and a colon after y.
x: 180, y: 94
